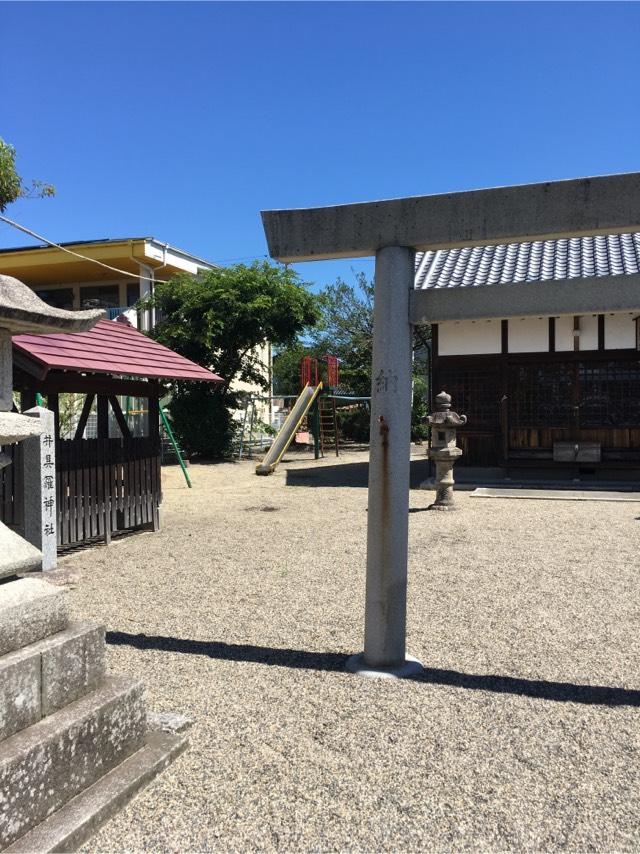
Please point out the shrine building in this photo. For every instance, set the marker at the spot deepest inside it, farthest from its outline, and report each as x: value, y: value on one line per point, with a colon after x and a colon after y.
x: 549, y: 393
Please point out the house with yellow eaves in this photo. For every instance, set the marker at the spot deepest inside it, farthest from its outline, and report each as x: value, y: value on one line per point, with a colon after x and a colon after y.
x: 81, y: 275
x: 66, y: 280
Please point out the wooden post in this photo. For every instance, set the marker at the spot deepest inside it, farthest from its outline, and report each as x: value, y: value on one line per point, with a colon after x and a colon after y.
x: 84, y: 416
x: 53, y: 403
x: 117, y: 411
x: 153, y: 407
x: 103, y: 416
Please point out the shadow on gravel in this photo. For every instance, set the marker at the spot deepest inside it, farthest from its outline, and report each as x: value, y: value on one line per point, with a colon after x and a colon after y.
x: 562, y: 692
x: 349, y: 474
x: 296, y: 658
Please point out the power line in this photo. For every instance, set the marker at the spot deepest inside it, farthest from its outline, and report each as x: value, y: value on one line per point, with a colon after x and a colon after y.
x: 75, y: 254
x: 245, y: 258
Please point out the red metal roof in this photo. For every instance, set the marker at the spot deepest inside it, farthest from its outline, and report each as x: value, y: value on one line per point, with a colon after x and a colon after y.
x: 110, y: 348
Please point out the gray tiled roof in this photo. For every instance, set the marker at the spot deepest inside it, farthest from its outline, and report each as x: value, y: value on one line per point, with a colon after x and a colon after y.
x: 540, y: 260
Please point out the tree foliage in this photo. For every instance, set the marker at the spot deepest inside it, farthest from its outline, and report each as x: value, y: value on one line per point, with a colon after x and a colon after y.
x: 345, y: 329
x: 219, y: 320
x: 12, y: 186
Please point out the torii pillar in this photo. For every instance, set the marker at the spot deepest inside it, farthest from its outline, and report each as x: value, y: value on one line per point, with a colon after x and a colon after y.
x: 393, y: 231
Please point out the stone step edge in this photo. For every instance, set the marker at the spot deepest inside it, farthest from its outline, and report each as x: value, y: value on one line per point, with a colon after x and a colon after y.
x: 74, y: 823
x: 31, y: 609
x: 75, y: 746
x: 47, y: 675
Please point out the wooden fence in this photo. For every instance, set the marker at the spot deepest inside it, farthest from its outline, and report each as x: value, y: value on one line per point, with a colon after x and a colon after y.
x: 106, y: 485
x: 102, y: 486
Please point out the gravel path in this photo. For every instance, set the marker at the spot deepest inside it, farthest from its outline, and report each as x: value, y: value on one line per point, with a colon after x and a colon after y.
x: 252, y: 595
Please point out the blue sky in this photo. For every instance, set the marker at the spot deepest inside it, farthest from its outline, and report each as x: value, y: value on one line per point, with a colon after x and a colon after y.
x: 184, y: 120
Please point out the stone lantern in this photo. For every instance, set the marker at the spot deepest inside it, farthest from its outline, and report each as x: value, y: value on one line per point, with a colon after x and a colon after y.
x: 444, y: 451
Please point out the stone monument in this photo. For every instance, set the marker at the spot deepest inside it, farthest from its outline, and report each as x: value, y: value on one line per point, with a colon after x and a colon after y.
x: 75, y: 743
x: 444, y: 451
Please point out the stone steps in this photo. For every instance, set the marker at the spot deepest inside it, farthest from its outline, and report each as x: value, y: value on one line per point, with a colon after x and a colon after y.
x: 47, y: 675
x: 47, y: 764
x: 74, y: 743
x: 30, y: 609
x: 69, y: 827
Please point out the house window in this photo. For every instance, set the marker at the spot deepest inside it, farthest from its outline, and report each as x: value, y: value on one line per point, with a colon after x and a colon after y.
x: 100, y: 296
x: 133, y: 293
x: 57, y: 297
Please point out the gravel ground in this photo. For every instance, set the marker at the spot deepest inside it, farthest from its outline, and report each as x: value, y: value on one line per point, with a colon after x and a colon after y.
x: 252, y: 595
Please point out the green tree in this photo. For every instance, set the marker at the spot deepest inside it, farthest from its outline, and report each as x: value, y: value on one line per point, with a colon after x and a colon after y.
x: 219, y: 320
x: 346, y: 330
x: 286, y: 368
x: 12, y: 186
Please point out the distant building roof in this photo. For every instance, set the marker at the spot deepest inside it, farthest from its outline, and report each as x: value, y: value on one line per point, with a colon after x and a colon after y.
x: 73, y: 243
x: 43, y: 266
x: 537, y: 261
x: 106, y: 241
x: 109, y: 348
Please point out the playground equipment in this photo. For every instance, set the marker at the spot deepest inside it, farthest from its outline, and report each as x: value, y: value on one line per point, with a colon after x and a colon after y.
x: 134, y: 417
x: 313, y: 404
x: 315, y: 412
x: 289, y: 429
x: 258, y: 420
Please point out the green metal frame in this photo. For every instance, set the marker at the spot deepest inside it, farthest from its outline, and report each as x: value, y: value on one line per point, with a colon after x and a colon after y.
x: 172, y: 439
x: 314, y: 424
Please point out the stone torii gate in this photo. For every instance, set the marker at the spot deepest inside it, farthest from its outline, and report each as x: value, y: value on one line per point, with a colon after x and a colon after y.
x: 393, y: 231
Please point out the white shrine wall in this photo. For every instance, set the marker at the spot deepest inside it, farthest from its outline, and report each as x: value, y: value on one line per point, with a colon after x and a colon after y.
x: 619, y: 331
x: 531, y: 334
x: 469, y: 337
x: 564, y: 334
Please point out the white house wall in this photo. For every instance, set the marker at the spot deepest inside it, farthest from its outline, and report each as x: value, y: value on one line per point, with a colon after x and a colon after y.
x: 531, y: 334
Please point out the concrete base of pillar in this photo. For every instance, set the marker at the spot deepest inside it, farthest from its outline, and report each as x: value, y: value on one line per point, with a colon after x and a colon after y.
x: 411, y: 667
x: 442, y: 507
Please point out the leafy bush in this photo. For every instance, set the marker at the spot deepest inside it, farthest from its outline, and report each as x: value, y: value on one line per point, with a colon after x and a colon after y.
x: 354, y: 424
x: 419, y: 410
x: 202, y: 421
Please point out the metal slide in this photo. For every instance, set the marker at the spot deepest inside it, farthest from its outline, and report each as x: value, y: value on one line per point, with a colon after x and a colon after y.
x: 289, y: 429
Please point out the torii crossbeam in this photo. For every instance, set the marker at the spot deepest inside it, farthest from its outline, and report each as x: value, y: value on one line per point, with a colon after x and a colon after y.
x: 393, y: 231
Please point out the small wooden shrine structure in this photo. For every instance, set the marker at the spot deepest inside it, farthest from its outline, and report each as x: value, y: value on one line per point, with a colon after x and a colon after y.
x: 112, y: 482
